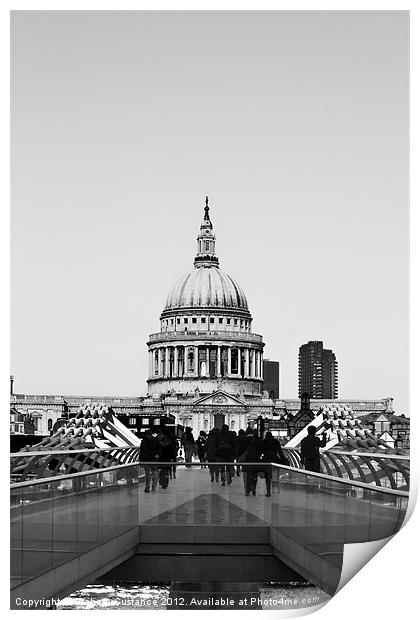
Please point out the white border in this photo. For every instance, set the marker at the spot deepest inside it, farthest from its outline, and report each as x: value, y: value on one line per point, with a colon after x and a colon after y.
x: 387, y: 586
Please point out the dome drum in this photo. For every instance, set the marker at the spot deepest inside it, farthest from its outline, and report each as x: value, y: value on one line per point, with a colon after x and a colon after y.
x: 206, y: 310
x: 201, y: 364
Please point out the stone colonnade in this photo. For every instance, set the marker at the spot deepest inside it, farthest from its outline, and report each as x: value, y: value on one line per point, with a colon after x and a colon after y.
x: 194, y: 361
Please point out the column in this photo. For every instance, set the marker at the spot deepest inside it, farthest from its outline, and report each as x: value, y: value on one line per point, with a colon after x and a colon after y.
x: 184, y: 362
x: 246, y: 373
x: 261, y: 365
x: 167, y: 361
x: 196, y: 368
x: 219, y: 361
x: 159, y: 362
x: 176, y: 362
x: 252, y: 363
x: 229, y: 368
x: 239, y: 361
x: 150, y: 363
x: 257, y: 365
x: 207, y: 361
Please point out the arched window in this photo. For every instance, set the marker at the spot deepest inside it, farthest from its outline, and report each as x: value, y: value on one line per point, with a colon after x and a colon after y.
x: 49, y: 424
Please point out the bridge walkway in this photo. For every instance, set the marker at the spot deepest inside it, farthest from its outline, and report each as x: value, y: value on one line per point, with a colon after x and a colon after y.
x: 74, y: 528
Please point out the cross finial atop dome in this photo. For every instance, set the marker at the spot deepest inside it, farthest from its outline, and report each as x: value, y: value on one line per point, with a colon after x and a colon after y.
x: 206, y: 209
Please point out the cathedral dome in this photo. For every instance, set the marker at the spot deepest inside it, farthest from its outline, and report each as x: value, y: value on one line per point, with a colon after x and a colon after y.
x: 206, y: 286
x: 206, y: 336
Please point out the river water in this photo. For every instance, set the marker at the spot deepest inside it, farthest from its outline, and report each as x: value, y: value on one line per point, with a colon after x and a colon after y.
x: 155, y: 596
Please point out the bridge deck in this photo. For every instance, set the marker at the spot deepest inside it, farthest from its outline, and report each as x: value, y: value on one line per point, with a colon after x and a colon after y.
x: 53, y: 531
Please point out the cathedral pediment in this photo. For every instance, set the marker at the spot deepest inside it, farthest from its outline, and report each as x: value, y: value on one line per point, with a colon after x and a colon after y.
x: 219, y: 398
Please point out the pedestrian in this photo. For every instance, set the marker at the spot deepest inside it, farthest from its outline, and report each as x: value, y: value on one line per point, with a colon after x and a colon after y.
x: 189, y: 445
x: 241, y: 444
x: 225, y: 453
x: 149, y: 452
x: 244, y: 442
x: 166, y: 456
x: 272, y: 453
x: 202, y: 448
x: 309, y: 450
x: 175, y: 446
x: 212, y: 445
x: 253, y: 455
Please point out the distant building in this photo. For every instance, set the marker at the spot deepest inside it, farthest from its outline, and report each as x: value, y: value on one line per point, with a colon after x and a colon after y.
x: 304, y: 416
x: 318, y: 371
x: 271, y: 376
x: 21, y: 423
x: 384, y: 423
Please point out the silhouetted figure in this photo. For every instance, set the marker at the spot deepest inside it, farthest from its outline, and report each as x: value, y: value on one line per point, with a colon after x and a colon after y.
x: 175, y: 445
x: 244, y: 442
x: 149, y: 451
x: 167, y: 455
x: 212, y: 445
x: 225, y: 452
x: 272, y: 453
x: 253, y: 455
x: 202, y: 448
x: 189, y: 445
x: 309, y: 450
x: 241, y: 444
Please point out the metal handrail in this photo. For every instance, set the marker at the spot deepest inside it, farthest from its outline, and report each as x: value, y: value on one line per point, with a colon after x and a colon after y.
x: 382, y: 455
x: 91, y: 472
x: 70, y: 452
x: 24, y: 464
x: 293, y: 470
x: 382, y: 468
x: 353, y: 483
x: 345, y: 464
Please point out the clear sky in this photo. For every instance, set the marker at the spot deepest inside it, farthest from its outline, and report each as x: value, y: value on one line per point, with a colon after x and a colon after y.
x: 296, y: 126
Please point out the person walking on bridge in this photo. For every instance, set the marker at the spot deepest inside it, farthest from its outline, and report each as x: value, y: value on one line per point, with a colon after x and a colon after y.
x: 212, y: 445
x: 225, y: 453
x: 189, y: 445
x: 244, y: 441
x: 149, y: 452
x: 253, y: 455
x: 166, y: 455
x: 202, y: 448
x: 309, y: 450
x: 272, y: 453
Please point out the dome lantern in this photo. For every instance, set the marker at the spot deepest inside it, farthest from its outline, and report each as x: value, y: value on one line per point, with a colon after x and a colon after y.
x: 206, y: 242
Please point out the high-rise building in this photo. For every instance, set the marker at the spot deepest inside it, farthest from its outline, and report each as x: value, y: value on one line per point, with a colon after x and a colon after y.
x: 318, y: 371
x: 271, y: 376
